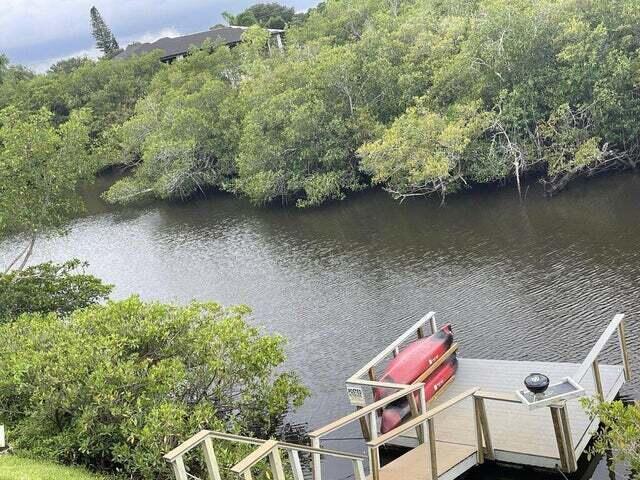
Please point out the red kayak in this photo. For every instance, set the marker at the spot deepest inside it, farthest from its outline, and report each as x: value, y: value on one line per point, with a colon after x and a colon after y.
x: 396, y: 412
x: 414, y: 360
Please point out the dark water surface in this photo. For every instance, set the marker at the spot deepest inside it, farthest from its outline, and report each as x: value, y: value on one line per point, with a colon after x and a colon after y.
x: 537, y: 280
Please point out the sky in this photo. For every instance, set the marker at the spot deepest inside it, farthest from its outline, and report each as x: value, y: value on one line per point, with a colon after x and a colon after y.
x: 37, y: 33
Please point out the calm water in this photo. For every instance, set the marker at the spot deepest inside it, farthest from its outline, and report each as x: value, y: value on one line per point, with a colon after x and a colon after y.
x: 537, y: 280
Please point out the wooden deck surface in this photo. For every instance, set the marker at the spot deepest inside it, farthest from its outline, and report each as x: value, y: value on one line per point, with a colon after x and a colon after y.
x: 415, y: 465
x: 518, y: 434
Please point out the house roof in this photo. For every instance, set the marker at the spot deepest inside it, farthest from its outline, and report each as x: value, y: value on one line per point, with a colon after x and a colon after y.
x: 176, y: 46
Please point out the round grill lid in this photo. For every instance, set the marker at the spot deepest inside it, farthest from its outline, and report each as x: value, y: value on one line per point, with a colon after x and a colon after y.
x: 536, y: 383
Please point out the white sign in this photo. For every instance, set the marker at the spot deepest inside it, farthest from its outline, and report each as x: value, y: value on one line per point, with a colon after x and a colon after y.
x: 2, y: 443
x: 356, y: 396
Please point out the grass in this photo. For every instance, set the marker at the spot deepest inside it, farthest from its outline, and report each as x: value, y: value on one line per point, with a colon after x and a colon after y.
x: 13, y: 467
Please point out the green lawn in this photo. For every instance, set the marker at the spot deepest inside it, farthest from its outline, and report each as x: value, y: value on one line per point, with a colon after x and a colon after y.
x: 19, y: 468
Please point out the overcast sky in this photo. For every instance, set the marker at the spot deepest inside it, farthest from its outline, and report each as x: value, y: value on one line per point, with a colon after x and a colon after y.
x: 37, y: 33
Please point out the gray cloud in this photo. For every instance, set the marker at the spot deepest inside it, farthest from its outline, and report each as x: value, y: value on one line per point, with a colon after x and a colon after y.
x: 38, y: 32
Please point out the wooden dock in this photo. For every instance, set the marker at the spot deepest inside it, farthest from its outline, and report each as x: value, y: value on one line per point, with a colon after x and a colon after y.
x: 518, y: 435
x: 476, y: 417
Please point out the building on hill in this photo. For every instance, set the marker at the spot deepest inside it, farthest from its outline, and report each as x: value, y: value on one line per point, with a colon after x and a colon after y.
x: 177, y: 47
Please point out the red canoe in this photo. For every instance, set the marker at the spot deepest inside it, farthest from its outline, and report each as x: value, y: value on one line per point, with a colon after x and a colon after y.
x: 395, y: 413
x: 415, y: 359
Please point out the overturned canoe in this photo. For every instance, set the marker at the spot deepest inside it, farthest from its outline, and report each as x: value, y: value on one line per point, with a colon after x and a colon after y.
x: 408, y: 365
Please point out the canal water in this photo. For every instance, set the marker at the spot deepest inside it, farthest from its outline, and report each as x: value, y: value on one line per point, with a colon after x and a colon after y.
x: 537, y: 279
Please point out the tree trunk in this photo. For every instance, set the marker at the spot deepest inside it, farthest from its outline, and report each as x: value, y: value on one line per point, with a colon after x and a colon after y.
x: 25, y: 254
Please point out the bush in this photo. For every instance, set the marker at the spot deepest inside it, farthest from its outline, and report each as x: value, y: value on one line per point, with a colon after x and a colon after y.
x: 49, y: 287
x: 116, y: 386
x: 620, y: 432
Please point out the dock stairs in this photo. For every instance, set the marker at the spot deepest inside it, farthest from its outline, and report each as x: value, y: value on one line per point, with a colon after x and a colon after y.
x: 477, y: 416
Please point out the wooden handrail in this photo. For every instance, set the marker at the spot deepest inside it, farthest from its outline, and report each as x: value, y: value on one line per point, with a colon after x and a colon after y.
x: 199, y: 437
x: 498, y: 396
x: 254, y: 457
x: 410, y: 331
x: 414, y: 422
x: 363, y: 412
x: 453, y: 349
x: 321, y: 451
x: 375, y: 383
x: 597, y: 348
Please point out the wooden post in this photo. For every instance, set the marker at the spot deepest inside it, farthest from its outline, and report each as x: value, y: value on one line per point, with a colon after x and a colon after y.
x: 568, y: 439
x: 622, y: 337
x: 372, y: 374
x: 358, y: 470
x: 296, y: 466
x: 598, y: 379
x: 559, y: 431
x: 3, y: 442
x: 364, y: 426
x: 396, y: 352
x: 484, y: 422
x: 178, y: 469
x: 433, y: 460
x: 210, y: 459
x: 316, y: 465
x: 374, y: 452
x: 413, y: 406
x: 420, y: 332
x: 434, y: 325
x: 276, y: 464
x: 247, y: 475
x: 478, y: 421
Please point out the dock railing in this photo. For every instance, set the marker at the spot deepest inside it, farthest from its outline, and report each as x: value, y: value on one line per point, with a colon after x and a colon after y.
x: 370, y: 412
x: 591, y: 362
x: 266, y: 449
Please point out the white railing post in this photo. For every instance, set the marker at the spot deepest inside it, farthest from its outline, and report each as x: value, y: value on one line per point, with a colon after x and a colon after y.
x: 276, y: 464
x: 178, y: 469
x: 296, y: 466
x: 374, y: 453
x: 622, y: 337
x: 2, y: 440
x: 316, y: 459
x: 210, y: 459
x: 358, y: 470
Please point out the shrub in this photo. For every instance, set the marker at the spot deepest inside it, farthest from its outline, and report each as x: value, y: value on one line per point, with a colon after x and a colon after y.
x: 116, y: 386
x: 620, y: 432
x: 49, y: 287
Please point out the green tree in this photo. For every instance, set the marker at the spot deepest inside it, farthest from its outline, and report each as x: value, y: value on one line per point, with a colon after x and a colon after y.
x: 183, y: 136
x: 105, y: 40
x: 115, y: 387
x: 41, y: 167
x: 48, y: 287
x: 267, y: 15
x: 68, y: 65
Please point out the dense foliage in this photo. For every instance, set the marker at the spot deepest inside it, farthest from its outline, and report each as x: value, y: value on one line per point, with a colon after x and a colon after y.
x: 418, y: 96
x: 109, y: 89
x: 267, y: 15
x: 49, y: 287
x: 115, y: 387
x: 620, y: 433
